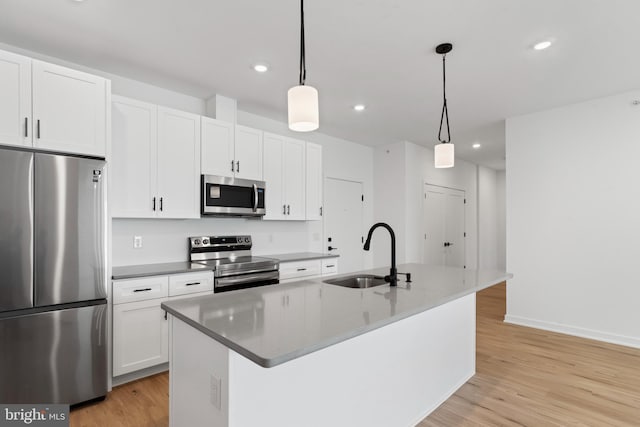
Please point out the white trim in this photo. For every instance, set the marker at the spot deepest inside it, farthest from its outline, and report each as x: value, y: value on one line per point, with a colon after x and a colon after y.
x: 574, y: 331
x: 142, y: 373
x: 443, y: 399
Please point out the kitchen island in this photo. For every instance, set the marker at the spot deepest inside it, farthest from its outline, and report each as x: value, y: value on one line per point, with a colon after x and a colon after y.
x: 315, y: 354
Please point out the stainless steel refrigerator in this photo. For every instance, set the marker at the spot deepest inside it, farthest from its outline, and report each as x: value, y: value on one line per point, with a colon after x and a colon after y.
x: 53, y: 312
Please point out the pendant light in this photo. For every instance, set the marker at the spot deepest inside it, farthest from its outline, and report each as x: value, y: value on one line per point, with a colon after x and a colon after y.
x: 444, y: 151
x: 302, y: 99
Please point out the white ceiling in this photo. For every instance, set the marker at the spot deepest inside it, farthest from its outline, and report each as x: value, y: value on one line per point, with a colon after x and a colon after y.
x: 376, y: 52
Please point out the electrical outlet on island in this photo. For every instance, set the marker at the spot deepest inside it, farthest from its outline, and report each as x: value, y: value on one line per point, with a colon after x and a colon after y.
x: 137, y: 242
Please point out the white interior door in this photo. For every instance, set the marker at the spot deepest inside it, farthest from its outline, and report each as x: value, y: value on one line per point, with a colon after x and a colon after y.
x: 444, y: 230
x: 343, y: 223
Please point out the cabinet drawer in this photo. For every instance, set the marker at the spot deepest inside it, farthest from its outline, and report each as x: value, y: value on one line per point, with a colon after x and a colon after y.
x: 329, y: 266
x: 291, y: 270
x: 190, y: 283
x: 131, y: 290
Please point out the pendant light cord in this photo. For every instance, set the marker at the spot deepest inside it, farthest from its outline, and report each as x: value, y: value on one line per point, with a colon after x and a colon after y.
x: 303, y: 65
x: 445, y: 111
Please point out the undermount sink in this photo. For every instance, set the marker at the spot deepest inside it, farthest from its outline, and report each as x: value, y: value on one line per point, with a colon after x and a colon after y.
x: 358, y: 281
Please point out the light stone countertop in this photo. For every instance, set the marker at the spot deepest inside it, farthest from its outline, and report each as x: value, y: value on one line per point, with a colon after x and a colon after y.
x: 274, y: 324
x: 300, y: 256
x: 145, y: 270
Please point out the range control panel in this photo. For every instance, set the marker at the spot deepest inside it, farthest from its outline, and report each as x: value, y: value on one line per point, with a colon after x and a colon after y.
x: 220, y: 243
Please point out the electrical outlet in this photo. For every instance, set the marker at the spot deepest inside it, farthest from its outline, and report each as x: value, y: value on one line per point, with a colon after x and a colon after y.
x: 137, y: 242
x: 215, y: 392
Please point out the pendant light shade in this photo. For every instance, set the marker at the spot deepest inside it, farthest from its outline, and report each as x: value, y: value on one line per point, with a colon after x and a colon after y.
x: 303, y: 108
x: 302, y: 100
x: 444, y: 155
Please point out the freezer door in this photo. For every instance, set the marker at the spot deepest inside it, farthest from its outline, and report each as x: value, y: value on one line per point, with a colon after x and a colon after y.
x: 69, y: 229
x: 54, y: 357
x: 16, y: 230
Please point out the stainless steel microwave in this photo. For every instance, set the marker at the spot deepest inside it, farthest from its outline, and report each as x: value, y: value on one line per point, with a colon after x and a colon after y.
x: 224, y: 196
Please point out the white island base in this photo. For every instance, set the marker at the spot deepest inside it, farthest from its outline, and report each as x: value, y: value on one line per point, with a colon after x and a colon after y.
x: 391, y: 376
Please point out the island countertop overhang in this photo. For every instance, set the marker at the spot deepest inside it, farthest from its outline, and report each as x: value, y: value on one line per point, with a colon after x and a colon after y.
x: 275, y: 324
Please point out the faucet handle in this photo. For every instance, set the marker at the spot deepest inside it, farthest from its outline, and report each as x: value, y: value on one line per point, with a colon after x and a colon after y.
x: 408, y: 276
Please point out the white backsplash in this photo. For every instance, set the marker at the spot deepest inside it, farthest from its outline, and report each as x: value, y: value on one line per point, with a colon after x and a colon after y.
x: 165, y: 240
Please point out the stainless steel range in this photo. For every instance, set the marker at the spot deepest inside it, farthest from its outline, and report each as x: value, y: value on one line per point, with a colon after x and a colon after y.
x: 234, y: 266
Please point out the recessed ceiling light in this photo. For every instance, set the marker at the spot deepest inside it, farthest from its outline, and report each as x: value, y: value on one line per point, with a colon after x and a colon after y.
x: 261, y: 68
x: 542, y: 45
x: 359, y: 107
x: 476, y: 145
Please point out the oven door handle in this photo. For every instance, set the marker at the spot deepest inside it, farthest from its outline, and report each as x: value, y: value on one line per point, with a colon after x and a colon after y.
x: 246, y: 278
x: 255, y: 197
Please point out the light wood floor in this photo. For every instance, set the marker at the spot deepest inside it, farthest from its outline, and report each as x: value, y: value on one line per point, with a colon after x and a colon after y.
x: 524, y: 377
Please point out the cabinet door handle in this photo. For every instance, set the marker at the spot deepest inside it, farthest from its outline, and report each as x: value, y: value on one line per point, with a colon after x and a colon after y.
x: 165, y: 315
x: 284, y: 209
x: 320, y: 210
x: 38, y: 129
x: 288, y: 209
x: 142, y: 290
x: 232, y: 166
x: 161, y: 204
x: 330, y: 265
x: 26, y: 127
x: 154, y: 204
x: 301, y: 269
x: 238, y: 166
x: 192, y: 284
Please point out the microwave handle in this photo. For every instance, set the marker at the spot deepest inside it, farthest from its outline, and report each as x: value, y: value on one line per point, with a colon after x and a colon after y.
x: 255, y: 197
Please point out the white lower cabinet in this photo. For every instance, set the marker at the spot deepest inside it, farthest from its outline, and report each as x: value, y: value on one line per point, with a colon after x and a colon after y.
x: 140, y: 326
x: 140, y: 336
x: 307, y: 269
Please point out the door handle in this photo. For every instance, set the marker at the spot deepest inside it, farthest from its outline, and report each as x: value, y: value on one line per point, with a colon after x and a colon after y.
x: 284, y: 209
x: 331, y: 248
x: 238, y: 166
x: 142, y: 290
x: 288, y: 209
x: 320, y: 210
x: 38, y: 129
x: 26, y: 127
x: 255, y: 197
x: 192, y: 284
x: 232, y: 166
x: 447, y: 244
x: 154, y: 204
x: 161, y: 204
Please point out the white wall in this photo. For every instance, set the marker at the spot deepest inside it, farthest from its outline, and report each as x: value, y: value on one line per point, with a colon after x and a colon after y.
x: 487, y: 218
x: 501, y: 217
x: 572, y: 219
x: 401, y: 170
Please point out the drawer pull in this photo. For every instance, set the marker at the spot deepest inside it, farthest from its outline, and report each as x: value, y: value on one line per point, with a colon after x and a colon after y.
x: 165, y: 315
x: 330, y: 265
x: 142, y: 290
x: 302, y: 269
x: 192, y: 284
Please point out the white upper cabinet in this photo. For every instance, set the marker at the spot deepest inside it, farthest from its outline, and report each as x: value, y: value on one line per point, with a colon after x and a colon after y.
x: 248, y: 153
x: 69, y: 110
x: 15, y: 99
x: 276, y: 207
x: 155, y: 161
x: 133, y: 158
x: 284, y: 166
x: 178, y: 164
x: 314, y: 182
x: 294, y: 178
x: 217, y: 147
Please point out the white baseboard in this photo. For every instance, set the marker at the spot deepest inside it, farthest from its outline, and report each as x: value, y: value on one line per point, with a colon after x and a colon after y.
x: 147, y: 372
x: 444, y: 398
x: 574, y: 330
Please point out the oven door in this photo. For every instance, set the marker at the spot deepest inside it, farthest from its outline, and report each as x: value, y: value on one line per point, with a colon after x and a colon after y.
x: 244, y: 281
x: 225, y: 196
